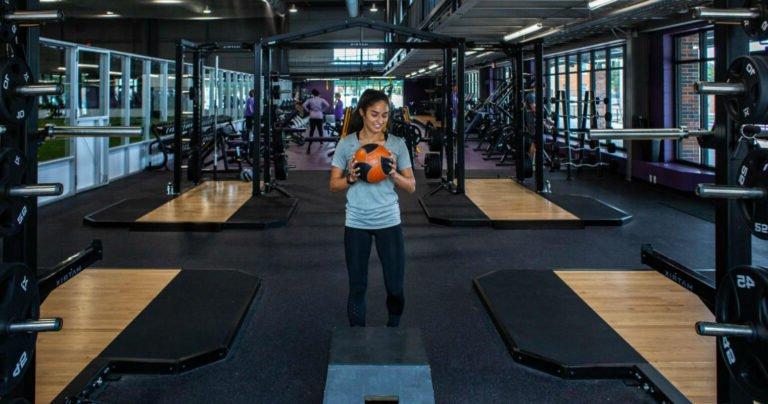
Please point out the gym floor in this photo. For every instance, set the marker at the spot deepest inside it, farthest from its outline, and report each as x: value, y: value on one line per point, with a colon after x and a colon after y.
x: 281, y: 351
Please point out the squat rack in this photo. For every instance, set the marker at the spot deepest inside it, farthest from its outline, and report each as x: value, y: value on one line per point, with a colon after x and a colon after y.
x: 417, y: 40
x: 199, y: 52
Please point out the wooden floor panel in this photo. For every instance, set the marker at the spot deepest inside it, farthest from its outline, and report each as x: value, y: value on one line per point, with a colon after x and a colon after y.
x: 504, y: 199
x: 428, y: 118
x: 96, y: 306
x: 656, y: 317
x: 211, y: 201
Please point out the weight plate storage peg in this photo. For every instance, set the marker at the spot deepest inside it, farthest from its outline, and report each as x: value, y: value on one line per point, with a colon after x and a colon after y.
x: 743, y: 300
x: 753, y: 173
x: 751, y: 104
x: 19, y: 302
x: 756, y: 28
x: 14, y: 73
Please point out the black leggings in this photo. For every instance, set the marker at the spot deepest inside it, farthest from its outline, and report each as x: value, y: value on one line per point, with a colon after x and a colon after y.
x: 315, y: 123
x: 391, y: 249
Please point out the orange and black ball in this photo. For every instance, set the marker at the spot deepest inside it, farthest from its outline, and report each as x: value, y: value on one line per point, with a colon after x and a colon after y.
x: 373, y: 162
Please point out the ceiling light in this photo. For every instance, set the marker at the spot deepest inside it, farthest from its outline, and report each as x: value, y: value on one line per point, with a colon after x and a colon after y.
x: 293, y: 9
x: 50, y: 1
x: 543, y: 34
x: 373, y: 8
x: 167, y: 1
x: 470, y: 53
x: 524, y: 31
x: 433, y: 66
x: 422, y: 70
x: 110, y: 14
x: 207, y: 10
x: 595, y: 4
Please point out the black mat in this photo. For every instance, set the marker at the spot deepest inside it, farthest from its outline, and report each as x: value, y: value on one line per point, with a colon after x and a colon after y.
x: 547, y: 326
x: 267, y: 211
x: 192, y: 321
x: 590, y: 211
x: 539, y: 316
x: 124, y: 212
x: 443, y: 207
x: 257, y: 213
x: 703, y: 211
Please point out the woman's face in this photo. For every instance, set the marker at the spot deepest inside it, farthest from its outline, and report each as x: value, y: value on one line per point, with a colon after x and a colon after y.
x: 375, y: 117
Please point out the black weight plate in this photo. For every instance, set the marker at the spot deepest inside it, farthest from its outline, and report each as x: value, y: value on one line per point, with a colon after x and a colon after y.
x: 752, y: 105
x: 281, y: 168
x: 753, y: 172
x: 743, y: 299
x: 19, y: 301
x: 13, y: 215
x: 756, y: 28
x: 14, y: 73
x: 433, y: 165
x: 12, y: 166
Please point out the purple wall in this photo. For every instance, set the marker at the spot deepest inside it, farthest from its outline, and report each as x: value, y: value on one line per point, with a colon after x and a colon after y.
x: 325, y: 87
x: 413, y: 90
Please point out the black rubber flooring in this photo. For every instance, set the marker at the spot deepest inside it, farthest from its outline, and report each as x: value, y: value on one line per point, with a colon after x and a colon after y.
x: 282, y: 351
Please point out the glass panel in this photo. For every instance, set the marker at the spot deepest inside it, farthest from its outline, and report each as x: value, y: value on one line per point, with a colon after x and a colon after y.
x: 617, y: 57
x: 187, y: 84
x: 136, y: 85
x: 116, y: 96
x: 207, y: 100
x: 573, y: 91
x: 617, y: 100
x: 53, y: 109
x: 586, y: 61
x: 156, y: 93
x: 600, y: 92
x: 90, y: 84
x: 687, y: 47
x: 171, y: 95
x: 599, y: 62
x: 709, y: 40
x: 688, y: 110
x: 709, y: 122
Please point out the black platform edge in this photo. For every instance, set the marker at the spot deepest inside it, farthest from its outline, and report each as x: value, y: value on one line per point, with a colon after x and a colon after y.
x: 537, y: 224
x: 452, y: 221
x: 642, y: 373
x: 175, y: 312
x: 256, y: 213
x: 124, y: 212
x: 591, y: 211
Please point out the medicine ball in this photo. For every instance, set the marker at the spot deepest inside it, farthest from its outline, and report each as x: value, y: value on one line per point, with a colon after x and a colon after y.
x: 372, y: 160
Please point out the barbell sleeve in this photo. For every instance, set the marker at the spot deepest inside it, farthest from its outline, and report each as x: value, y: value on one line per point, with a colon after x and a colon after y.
x: 35, y: 17
x: 94, y: 131
x: 36, y: 190
x: 724, y: 330
x: 42, y: 325
x: 35, y: 90
x: 710, y: 191
x: 712, y: 88
x: 724, y: 14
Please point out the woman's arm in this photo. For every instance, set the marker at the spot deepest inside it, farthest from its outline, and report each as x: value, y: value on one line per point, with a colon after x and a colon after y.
x: 341, y: 181
x: 404, y: 179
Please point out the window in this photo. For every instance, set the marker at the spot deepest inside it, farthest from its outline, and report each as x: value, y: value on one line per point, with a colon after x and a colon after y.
x: 89, y: 68
x: 472, y: 85
x: 694, y: 61
x: 351, y: 90
x: 53, y: 109
x: 352, y: 56
x: 600, y: 71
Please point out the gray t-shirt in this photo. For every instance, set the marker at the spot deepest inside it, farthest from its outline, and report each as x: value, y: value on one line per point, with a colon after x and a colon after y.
x: 372, y: 206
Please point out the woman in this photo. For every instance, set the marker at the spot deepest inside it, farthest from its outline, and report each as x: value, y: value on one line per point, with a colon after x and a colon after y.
x: 315, y: 105
x: 373, y: 211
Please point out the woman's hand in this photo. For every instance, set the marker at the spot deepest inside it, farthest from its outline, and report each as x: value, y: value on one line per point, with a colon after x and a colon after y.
x: 353, y: 172
x: 393, y: 164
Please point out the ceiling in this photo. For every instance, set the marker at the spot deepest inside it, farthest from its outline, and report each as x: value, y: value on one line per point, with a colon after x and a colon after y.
x: 491, y: 20
x: 183, y: 9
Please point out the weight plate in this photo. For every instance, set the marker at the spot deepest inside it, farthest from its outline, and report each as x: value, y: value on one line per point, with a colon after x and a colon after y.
x: 13, y: 74
x: 743, y: 299
x: 12, y: 166
x: 19, y: 301
x: 756, y: 28
x: 753, y: 173
x: 13, y: 215
x: 752, y: 105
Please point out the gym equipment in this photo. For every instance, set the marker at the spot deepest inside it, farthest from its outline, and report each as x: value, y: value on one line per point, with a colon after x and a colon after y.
x: 745, y: 90
x: 17, y: 90
x: 753, y: 17
x: 742, y: 328
x: 373, y: 162
x: 433, y: 164
x: 378, y: 364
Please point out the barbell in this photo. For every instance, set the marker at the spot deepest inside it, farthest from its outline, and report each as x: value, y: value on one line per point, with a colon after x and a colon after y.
x: 753, y: 17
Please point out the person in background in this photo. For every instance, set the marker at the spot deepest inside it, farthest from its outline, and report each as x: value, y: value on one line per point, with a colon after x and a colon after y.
x: 250, y: 107
x: 338, y: 112
x: 315, y: 105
